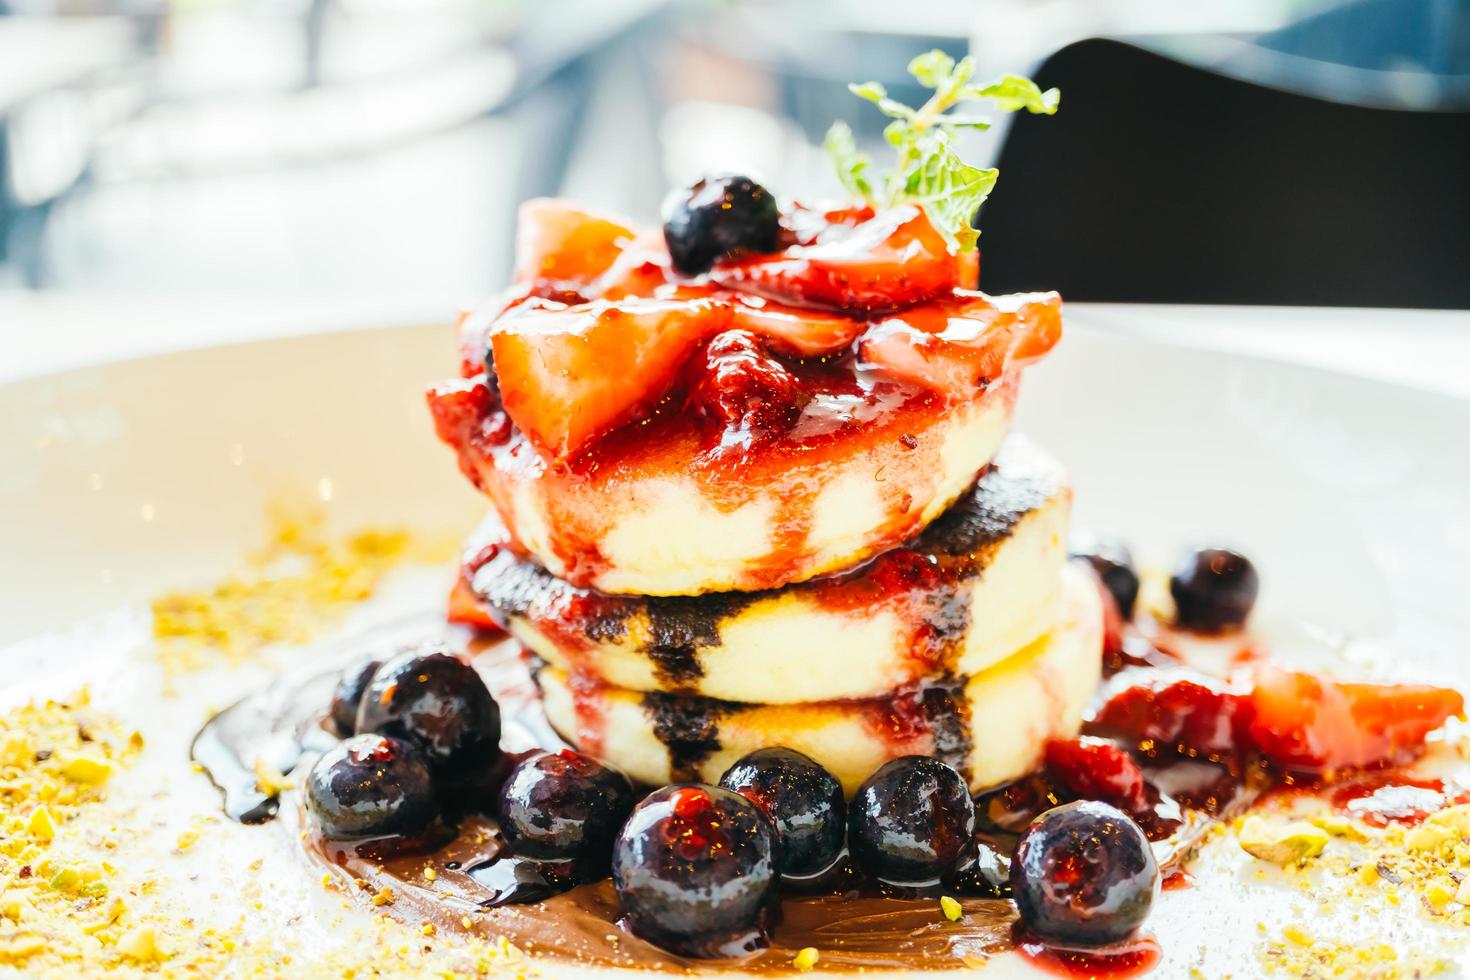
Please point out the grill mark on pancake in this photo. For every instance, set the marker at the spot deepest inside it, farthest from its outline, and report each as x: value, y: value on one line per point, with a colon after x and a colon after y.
x: 689, y: 727
x: 518, y: 587
x: 679, y: 627
x: 962, y: 543
x: 948, y: 714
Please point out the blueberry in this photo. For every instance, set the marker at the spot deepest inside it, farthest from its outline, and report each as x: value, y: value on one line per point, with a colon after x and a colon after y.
x: 438, y: 703
x: 802, y: 800
x: 1084, y: 873
x: 717, y: 217
x: 1214, y: 590
x: 1113, y: 563
x: 348, y: 695
x: 983, y: 872
x: 911, y: 822
x: 696, y: 869
x: 369, y: 785
x: 564, y: 806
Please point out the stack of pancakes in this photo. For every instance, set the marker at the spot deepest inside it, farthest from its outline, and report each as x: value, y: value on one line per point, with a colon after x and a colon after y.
x: 885, y: 576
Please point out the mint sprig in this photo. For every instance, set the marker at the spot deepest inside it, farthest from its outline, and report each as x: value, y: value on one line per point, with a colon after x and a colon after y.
x: 928, y: 171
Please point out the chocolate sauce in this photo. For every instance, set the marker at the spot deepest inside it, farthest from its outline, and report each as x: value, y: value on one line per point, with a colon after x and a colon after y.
x: 473, y: 886
x: 854, y: 930
x: 272, y: 728
x: 689, y: 727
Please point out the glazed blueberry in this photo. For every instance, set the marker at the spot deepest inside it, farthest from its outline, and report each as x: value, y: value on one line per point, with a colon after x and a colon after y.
x: 696, y: 868
x: 438, y: 703
x: 1214, y: 590
x: 564, y: 806
x: 1084, y: 873
x: 717, y: 217
x: 802, y: 800
x: 911, y: 822
x: 348, y: 695
x: 984, y: 872
x: 369, y: 785
x: 1113, y: 563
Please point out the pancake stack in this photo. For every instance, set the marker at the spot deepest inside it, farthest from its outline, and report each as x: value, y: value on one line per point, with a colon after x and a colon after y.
x: 876, y: 570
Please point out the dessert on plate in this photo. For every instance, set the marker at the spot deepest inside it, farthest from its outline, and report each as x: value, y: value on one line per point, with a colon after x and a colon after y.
x: 801, y: 665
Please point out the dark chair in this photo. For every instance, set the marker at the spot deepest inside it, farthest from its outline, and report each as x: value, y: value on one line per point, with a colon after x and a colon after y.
x: 1163, y: 182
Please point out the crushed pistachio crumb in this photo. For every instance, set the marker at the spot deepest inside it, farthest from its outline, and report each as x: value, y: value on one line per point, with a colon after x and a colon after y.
x: 806, y: 959
x: 1280, y: 841
x: 302, y: 581
x: 951, y: 908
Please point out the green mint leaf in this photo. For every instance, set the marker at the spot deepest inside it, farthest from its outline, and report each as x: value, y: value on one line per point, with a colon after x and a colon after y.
x: 851, y: 163
x: 872, y: 91
x: 932, y: 68
x: 948, y: 188
x: 1013, y: 93
x: 928, y: 172
x: 964, y: 119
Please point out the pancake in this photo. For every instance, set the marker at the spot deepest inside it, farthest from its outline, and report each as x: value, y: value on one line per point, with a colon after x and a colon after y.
x: 977, y: 585
x: 654, y: 511
x: 993, y: 726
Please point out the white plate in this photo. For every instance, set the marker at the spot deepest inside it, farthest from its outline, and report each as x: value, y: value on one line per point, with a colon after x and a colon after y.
x: 119, y: 481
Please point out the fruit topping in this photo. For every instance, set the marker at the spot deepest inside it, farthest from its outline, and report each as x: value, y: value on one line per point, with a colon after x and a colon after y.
x: 1197, y: 717
x: 1312, y: 725
x: 468, y: 609
x: 911, y: 822
x: 370, y: 785
x: 746, y: 392
x: 696, y: 869
x: 804, y: 333
x: 1113, y: 563
x: 960, y: 344
x: 439, y: 704
x: 347, y: 695
x: 718, y: 217
x: 893, y: 260
x: 570, y: 373
x: 1084, y: 874
x: 1096, y: 769
x: 802, y: 800
x: 564, y: 806
x: 1214, y: 590
x: 559, y: 242
x: 1300, y: 722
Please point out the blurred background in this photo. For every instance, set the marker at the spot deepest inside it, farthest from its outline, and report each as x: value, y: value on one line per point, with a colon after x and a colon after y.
x: 373, y: 151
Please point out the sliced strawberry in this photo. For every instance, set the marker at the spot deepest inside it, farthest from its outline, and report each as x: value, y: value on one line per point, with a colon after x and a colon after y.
x: 1195, y: 716
x: 641, y: 269
x: 570, y: 373
x: 967, y: 265
x: 888, y: 262
x: 1309, y: 724
x: 559, y: 241
x: 1096, y: 769
x: 805, y: 333
x: 468, y: 609
x: 959, y: 345
x: 804, y: 225
x: 474, y: 326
